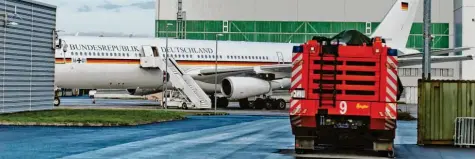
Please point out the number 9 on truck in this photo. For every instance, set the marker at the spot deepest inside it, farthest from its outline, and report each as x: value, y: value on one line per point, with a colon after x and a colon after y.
x: 343, y: 107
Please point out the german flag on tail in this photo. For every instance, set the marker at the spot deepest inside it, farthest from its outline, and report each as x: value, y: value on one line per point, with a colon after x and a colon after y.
x: 404, y: 6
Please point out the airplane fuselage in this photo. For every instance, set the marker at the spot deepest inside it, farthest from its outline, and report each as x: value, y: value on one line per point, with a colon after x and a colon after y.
x: 114, y: 63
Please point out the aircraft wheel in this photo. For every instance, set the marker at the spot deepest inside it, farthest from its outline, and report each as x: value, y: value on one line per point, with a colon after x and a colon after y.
x: 56, y: 101
x: 259, y: 103
x: 270, y: 104
x: 244, y: 103
x: 281, y: 104
x: 223, y: 102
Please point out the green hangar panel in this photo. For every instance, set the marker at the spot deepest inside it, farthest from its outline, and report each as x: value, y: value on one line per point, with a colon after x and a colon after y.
x: 289, y: 31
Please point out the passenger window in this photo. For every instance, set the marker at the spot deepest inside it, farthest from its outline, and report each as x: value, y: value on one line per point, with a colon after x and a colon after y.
x: 220, y: 56
x: 123, y: 54
x: 89, y: 53
x: 127, y: 54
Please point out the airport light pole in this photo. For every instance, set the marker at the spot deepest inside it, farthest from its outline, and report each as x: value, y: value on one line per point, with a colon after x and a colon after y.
x: 165, y: 74
x: 216, y: 73
x: 426, y: 59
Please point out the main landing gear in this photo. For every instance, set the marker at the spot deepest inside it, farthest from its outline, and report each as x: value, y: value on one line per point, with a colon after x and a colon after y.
x: 56, y: 101
x: 222, y: 102
x: 260, y: 103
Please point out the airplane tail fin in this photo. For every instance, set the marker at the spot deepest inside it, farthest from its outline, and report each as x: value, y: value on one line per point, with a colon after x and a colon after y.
x: 397, y: 23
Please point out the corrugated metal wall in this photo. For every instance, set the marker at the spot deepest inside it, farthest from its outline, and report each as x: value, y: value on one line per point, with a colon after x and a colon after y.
x: 440, y: 103
x: 26, y: 56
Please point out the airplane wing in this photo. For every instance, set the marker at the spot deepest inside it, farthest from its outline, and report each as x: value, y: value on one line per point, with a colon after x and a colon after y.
x: 434, y: 59
x: 264, y: 68
x: 226, y: 70
x: 436, y: 52
x: 287, y: 68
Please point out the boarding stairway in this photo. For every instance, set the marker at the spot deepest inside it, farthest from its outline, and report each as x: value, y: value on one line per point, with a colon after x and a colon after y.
x: 179, y: 80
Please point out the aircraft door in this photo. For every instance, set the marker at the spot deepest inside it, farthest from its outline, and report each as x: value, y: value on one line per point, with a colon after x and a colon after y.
x: 280, y: 57
x: 147, y: 51
x: 155, y: 51
x: 61, y: 49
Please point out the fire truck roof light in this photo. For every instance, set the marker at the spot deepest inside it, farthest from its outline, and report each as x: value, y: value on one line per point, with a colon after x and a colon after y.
x: 297, y: 49
x: 392, y: 52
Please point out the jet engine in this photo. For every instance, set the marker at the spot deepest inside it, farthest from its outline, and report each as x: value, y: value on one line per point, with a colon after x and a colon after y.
x: 244, y: 87
x: 141, y: 91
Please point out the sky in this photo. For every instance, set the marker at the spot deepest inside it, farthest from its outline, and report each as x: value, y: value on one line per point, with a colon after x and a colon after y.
x: 110, y: 16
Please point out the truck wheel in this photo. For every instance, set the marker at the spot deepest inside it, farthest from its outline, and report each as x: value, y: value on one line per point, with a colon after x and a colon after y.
x: 300, y: 151
x: 56, y: 101
x: 184, y: 106
x: 388, y: 154
x: 281, y: 104
x: 391, y: 154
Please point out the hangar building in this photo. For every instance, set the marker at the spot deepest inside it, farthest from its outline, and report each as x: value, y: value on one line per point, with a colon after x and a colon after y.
x: 297, y: 21
x: 26, y: 55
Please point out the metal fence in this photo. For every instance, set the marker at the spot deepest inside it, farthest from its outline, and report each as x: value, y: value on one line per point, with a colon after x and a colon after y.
x: 464, y: 131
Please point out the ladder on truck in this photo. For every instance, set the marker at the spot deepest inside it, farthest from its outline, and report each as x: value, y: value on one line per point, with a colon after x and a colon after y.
x: 179, y: 80
x: 328, y: 73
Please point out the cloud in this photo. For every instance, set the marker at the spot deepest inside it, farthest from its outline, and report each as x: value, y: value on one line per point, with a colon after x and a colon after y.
x: 111, y: 16
x: 144, y: 5
x: 110, y: 6
x: 84, y: 8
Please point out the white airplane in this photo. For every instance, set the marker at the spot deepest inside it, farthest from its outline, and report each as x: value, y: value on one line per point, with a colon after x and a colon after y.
x: 114, y: 63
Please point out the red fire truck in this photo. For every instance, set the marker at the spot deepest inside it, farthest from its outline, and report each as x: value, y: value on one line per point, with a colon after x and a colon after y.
x: 344, y: 95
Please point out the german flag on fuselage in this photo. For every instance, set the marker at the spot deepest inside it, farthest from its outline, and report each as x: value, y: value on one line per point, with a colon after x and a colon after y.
x: 404, y: 5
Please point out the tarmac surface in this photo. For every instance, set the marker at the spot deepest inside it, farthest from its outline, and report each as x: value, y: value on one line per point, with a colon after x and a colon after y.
x: 233, y: 136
